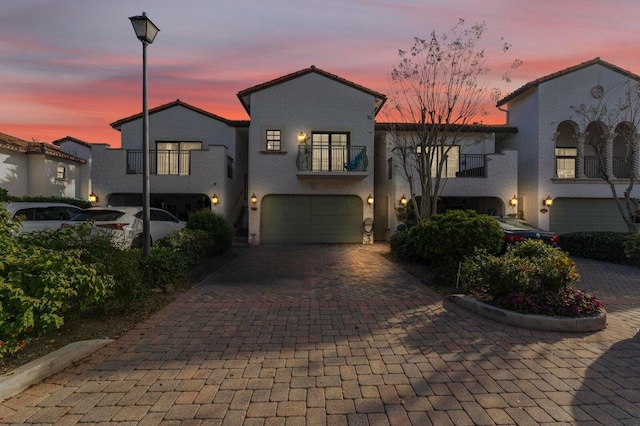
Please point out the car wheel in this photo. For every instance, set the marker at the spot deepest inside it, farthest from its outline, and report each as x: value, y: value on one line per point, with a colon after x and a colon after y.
x: 138, y: 243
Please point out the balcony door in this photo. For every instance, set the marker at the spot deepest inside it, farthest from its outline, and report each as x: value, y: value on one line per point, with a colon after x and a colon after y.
x: 174, y: 158
x: 329, y: 151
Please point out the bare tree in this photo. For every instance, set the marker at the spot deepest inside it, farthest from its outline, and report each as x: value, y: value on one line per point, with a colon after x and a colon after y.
x: 615, y: 118
x: 438, y: 91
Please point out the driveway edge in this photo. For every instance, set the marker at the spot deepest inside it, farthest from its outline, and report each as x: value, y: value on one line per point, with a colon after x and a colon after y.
x: 35, y: 371
x: 531, y: 322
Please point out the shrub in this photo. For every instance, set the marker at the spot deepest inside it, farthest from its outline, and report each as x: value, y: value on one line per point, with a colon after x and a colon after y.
x: 631, y: 247
x: 528, y: 267
x: 193, y: 243
x: 164, y: 267
x: 446, y: 239
x: 39, y: 286
x: 219, y: 232
x: 403, y: 247
x: 605, y: 246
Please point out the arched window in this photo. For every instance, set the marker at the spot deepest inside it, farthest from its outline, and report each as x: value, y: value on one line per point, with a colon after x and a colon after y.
x: 566, y: 150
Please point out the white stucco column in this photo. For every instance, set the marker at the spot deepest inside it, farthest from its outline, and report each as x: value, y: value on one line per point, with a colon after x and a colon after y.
x: 580, y: 138
x: 608, y: 154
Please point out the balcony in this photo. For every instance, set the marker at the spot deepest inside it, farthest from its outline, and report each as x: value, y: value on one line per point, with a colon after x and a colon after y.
x: 316, y: 160
x: 471, y: 166
x: 593, y: 169
x: 160, y: 162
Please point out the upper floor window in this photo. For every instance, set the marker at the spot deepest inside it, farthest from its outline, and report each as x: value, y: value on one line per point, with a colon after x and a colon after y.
x: 566, y: 162
x: 174, y: 158
x: 61, y: 173
x: 274, y: 142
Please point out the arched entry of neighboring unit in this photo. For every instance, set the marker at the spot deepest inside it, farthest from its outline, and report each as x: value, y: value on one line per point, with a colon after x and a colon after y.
x: 585, y: 214
x: 311, y: 219
x: 180, y: 205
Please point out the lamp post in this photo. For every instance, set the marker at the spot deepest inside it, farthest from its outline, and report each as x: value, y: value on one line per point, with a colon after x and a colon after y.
x: 146, y: 32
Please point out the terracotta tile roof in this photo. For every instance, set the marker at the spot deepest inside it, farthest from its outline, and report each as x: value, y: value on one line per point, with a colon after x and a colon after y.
x: 57, y: 142
x: 244, y: 94
x: 535, y: 83
x: 117, y: 124
x: 20, y: 145
x: 465, y: 128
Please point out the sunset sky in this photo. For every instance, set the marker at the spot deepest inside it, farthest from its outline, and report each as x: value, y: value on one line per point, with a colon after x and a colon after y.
x: 71, y: 67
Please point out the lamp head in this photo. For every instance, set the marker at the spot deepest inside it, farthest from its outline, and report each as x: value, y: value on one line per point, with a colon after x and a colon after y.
x: 146, y: 30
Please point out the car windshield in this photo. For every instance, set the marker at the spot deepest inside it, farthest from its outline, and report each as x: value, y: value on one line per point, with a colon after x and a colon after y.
x: 515, y: 225
x: 97, y: 215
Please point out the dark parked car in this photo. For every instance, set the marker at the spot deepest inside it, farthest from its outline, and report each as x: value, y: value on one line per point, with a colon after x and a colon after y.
x: 516, y: 230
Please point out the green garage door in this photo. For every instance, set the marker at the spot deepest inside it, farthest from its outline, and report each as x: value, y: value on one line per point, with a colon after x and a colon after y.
x: 311, y: 219
x: 585, y: 214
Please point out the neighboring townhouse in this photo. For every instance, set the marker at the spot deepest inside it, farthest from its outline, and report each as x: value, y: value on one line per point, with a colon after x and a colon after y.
x: 41, y: 169
x: 194, y: 156
x: 311, y: 144
x: 556, y: 156
x: 481, y: 173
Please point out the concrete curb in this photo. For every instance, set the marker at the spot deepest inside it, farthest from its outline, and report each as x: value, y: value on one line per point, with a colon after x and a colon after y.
x: 41, y: 368
x: 531, y: 322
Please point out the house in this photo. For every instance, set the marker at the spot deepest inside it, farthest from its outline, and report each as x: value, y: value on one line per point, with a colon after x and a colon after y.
x: 557, y: 150
x: 194, y: 155
x: 40, y: 169
x: 313, y: 165
x: 311, y: 144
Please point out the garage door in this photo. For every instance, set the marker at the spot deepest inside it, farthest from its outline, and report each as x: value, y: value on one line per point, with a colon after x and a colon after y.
x: 311, y: 219
x: 585, y: 214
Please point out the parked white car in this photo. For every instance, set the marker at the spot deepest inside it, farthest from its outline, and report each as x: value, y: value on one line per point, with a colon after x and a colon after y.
x: 40, y: 216
x: 125, y: 223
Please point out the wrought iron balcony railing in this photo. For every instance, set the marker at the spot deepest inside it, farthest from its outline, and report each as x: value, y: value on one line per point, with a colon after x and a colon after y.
x: 160, y: 162
x: 331, y: 158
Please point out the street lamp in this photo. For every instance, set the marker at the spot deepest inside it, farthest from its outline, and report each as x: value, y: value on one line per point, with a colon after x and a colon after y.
x: 146, y: 32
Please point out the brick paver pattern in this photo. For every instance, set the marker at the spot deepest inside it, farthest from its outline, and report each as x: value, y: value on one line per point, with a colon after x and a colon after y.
x: 339, y: 335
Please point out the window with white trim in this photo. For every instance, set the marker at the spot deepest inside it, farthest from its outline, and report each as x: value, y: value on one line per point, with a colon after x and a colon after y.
x: 274, y: 141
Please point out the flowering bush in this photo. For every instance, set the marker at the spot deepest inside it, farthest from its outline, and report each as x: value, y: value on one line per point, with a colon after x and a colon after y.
x: 567, y: 303
x: 531, y: 278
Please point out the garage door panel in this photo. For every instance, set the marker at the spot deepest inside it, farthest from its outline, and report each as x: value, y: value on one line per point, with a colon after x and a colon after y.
x: 311, y: 219
x: 585, y: 214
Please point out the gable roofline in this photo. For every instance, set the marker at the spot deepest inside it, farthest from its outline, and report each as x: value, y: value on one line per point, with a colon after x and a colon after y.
x: 464, y: 128
x: 57, y: 142
x: 537, y: 82
x: 118, y: 124
x: 243, y: 94
x: 19, y: 145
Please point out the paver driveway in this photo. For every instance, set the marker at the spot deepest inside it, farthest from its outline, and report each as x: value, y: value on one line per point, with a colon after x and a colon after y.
x: 339, y: 335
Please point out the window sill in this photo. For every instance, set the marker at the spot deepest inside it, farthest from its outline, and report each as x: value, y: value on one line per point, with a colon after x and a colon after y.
x: 273, y: 152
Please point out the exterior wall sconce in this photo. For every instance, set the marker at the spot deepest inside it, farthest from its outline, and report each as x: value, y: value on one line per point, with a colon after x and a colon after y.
x: 302, y: 137
x: 547, y: 202
x: 215, y: 200
x: 513, y: 201
x: 93, y: 198
x: 370, y: 200
x: 403, y: 200
x: 254, y: 201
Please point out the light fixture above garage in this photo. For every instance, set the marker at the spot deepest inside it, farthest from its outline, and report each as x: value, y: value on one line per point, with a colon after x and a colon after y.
x: 370, y: 200
x: 513, y: 201
x: 547, y: 202
x: 215, y: 200
x: 93, y: 198
x: 254, y: 199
